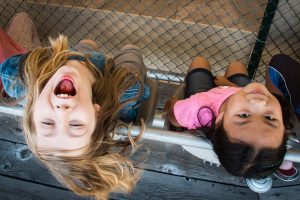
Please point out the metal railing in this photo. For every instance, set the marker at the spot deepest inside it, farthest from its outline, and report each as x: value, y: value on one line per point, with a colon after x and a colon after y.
x: 162, y: 135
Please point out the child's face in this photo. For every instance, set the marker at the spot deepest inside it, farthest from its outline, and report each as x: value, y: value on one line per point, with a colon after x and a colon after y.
x: 253, y: 115
x: 66, y: 123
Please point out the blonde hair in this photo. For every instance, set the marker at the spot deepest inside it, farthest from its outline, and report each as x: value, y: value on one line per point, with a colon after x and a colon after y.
x: 103, y: 167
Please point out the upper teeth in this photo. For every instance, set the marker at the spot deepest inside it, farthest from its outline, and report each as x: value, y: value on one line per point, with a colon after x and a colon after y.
x: 63, y: 95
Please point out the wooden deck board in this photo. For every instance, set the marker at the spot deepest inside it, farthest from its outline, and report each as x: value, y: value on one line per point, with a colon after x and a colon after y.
x: 162, y: 186
x: 153, y: 185
x: 173, y: 159
x: 15, y: 189
x: 11, y: 128
x: 16, y: 161
x: 282, y: 193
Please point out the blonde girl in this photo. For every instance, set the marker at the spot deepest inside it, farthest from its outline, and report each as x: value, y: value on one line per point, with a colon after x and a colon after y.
x: 73, y: 101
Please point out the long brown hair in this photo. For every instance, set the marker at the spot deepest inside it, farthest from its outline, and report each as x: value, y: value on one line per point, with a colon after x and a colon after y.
x: 103, y: 167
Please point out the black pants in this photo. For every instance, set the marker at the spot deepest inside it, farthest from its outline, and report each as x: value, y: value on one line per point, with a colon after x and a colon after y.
x: 202, y: 80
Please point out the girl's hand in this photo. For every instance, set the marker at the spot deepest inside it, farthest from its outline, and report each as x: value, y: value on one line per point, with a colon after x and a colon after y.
x: 223, y: 81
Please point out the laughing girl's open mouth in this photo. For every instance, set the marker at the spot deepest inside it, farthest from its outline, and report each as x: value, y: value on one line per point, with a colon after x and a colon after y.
x: 65, y: 88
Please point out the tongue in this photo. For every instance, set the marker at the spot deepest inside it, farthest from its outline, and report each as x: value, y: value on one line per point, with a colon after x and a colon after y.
x: 65, y: 87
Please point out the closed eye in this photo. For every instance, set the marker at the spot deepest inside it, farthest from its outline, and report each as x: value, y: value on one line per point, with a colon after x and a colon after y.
x: 48, y: 123
x: 76, y: 125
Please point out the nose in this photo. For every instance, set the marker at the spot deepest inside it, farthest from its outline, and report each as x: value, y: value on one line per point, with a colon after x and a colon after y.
x: 64, y: 107
x: 258, y: 102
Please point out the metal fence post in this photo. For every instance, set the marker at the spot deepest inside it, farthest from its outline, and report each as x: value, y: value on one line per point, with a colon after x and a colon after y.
x: 262, y: 37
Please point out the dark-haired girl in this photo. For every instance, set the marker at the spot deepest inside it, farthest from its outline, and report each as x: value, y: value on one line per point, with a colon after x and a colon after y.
x: 244, y: 120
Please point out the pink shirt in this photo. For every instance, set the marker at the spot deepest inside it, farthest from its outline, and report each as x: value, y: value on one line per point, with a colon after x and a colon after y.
x: 186, y: 110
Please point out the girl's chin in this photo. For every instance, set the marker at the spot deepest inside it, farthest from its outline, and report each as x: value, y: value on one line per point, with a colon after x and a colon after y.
x: 255, y: 86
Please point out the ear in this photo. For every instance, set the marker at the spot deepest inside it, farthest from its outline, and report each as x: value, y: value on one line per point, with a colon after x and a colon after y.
x: 220, y: 117
x: 97, y: 107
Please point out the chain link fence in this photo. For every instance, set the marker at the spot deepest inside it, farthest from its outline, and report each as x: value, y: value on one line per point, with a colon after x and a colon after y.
x: 284, y: 35
x: 170, y: 33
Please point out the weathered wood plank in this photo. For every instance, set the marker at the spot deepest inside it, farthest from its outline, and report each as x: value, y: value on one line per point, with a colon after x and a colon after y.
x: 290, y: 193
x: 173, y: 159
x: 14, y: 189
x: 11, y: 128
x: 152, y: 185
x: 16, y: 163
x: 156, y: 186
